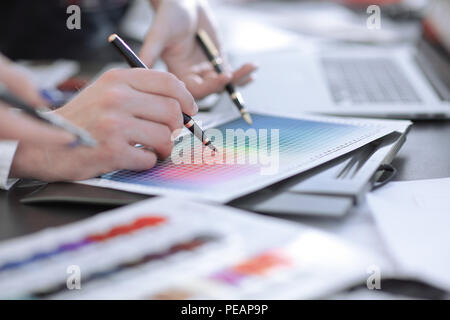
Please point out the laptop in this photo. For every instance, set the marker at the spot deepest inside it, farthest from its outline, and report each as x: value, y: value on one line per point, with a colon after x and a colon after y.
x: 407, y: 82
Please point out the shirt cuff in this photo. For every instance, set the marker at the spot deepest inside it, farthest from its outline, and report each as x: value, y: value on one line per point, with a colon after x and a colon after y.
x: 7, y: 151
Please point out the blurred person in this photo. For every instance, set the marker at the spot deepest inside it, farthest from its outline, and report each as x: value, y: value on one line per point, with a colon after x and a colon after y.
x: 40, y: 32
x: 123, y: 107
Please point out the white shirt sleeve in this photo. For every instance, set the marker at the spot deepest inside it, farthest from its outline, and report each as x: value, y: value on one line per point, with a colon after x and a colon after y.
x: 7, y: 151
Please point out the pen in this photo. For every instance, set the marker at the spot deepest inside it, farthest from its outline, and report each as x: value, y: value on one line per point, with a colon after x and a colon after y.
x: 56, y: 98
x: 213, y: 56
x: 133, y: 60
x: 83, y: 137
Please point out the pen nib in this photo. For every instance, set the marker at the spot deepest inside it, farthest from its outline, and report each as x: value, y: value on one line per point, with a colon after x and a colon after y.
x: 247, y: 117
x: 213, y: 148
x: 210, y: 145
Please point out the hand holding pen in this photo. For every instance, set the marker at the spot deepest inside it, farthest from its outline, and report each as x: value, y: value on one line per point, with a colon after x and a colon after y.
x: 25, y: 129
x: 214, y: 57
x: 172, y: 38
x: 122, y: 108
x: 132, y: 59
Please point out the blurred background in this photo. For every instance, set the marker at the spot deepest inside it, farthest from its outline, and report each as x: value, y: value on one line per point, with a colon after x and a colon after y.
x: 26, y: 32
x: 47, y: 49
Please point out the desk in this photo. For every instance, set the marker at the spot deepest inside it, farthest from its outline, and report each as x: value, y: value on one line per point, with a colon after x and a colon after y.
x: 425, y: 154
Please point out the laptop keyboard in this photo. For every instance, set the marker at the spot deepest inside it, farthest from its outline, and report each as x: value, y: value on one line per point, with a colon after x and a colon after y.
x: 367, y: 80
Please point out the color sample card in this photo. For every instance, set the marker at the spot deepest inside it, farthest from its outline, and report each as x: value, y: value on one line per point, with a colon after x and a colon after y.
x: 249, y: 157
x: 166, y: 248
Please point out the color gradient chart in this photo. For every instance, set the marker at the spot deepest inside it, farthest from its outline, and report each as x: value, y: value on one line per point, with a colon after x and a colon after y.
x: 272, y: 149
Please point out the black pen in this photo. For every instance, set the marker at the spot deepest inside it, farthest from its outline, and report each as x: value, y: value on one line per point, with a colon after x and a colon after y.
x: 83, y: 137
x: 213, y: 56
x: 133, y: 60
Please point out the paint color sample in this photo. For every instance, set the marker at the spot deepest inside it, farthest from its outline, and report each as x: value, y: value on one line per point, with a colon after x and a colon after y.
x: 167, y: 247
x: 185, y: 246
x: 117, y: 231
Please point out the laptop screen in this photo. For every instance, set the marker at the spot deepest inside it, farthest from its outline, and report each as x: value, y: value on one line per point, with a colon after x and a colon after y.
x: 434, y: 47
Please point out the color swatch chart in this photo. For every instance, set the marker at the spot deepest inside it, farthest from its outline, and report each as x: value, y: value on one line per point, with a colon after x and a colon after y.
x: 167, y: 248
x: 272, y: 149
x: 103, y: 249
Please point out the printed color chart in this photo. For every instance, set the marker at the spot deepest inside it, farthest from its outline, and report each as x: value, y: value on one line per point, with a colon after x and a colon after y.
x: 170, y: 248
x: 249, y: 157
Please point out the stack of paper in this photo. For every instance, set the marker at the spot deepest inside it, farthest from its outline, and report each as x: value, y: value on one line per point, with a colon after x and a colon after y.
x: 414, y: 219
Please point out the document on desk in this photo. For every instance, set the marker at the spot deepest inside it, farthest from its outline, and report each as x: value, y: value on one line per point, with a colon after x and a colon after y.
x: 413, y: 217
x: 249, y: 157
x: 165, y: 248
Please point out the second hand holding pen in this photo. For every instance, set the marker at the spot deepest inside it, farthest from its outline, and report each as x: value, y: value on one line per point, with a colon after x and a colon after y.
x: 134, y: 62
x: 213, y: 56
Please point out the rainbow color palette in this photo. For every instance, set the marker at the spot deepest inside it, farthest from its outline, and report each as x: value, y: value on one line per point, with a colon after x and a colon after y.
x: 250, y: 157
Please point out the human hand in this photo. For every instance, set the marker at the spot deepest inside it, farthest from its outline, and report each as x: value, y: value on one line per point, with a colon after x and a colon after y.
x: 172, y: 36
x: 18, y: 82
x: 20, y: 127
x: 121, y: 109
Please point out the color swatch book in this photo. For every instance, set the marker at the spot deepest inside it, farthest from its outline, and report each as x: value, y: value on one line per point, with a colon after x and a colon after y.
x: 164, y: 248
x: 249, y: 157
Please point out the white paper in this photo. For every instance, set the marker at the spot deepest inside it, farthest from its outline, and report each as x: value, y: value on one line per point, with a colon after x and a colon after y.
x: 413, y: 218
x: 48, y: 76
x: 314, y: 264
x: 374, y: 129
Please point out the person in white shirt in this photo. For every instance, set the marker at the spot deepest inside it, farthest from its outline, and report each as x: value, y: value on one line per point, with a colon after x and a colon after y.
x: 124, y: 107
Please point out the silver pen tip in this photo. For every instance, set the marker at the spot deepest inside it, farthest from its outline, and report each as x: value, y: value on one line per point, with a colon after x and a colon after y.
x: 247, y: 118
